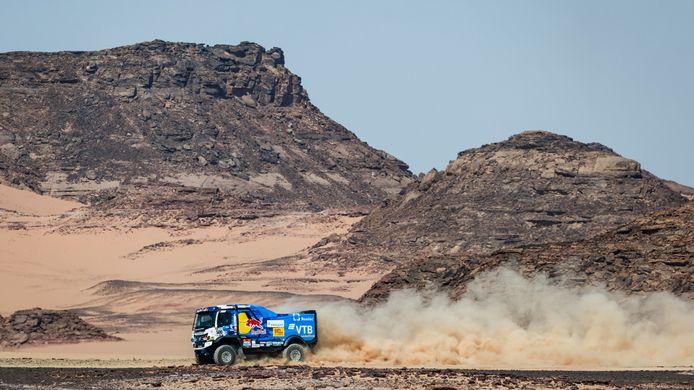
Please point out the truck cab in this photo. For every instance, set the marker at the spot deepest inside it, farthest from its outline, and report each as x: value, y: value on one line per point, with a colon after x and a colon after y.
x: 224, y: 334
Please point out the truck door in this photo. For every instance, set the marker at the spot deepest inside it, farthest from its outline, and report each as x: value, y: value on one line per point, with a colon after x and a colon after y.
x: 224, y: 322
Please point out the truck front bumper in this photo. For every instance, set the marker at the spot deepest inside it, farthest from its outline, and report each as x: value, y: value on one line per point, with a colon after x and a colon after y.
x: 201, y: 345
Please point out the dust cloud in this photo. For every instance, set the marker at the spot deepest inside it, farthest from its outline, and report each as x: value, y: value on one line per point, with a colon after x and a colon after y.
x: 506, y: 320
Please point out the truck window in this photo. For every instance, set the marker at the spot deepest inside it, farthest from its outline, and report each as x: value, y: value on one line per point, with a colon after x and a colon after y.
x: 224, y: 318
x: 204, y: 320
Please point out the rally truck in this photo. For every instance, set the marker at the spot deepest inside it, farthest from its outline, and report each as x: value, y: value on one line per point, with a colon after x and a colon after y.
x: 223, y: 334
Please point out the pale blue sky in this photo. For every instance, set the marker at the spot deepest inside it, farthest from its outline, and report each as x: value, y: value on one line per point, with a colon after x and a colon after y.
x: 426, y: 79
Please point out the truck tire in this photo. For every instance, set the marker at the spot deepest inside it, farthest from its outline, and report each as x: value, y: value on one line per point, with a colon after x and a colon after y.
x: 225, y: 355
x: 294, y: 353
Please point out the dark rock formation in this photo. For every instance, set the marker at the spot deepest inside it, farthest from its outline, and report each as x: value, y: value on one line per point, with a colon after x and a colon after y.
x: 37, y: 326
x: 166, y: 125
x: 536, y: 187
x: 652, y: 253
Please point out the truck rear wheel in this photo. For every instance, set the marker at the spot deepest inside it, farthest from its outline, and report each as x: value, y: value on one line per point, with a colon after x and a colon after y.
x: 294, y: 353
x: 225, y: 355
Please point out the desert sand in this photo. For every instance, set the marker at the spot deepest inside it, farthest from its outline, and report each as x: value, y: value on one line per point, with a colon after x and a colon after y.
x: 27, y: 202
x: 143, y: 282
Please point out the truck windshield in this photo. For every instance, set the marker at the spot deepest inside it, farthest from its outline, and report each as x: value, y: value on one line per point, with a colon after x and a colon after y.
x: 204, y: 319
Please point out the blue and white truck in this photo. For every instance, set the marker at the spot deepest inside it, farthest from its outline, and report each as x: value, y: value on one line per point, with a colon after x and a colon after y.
x: 224, y: 334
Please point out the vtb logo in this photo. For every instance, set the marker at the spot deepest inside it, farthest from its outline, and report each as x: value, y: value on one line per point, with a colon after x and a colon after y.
x: 305, y: 329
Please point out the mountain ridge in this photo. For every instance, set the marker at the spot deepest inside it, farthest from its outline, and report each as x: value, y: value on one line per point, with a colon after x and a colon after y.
x: 180, y: 124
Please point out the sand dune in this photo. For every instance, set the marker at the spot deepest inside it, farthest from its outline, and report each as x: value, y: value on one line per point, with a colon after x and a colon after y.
x: 27, y: 202
x: 136, y: 279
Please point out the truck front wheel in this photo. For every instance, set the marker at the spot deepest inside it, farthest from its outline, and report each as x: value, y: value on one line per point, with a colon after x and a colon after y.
x: 295, y: 353
x: 225, y: 355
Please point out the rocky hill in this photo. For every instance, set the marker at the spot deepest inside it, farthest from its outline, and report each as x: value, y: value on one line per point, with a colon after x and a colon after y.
x: 166, y: 125
x: 37, y: 326
x: 652, y: 253
x: 536, y: 187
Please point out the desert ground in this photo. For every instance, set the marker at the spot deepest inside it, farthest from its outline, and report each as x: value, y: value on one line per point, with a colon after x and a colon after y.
x: 308, y: 377
x: 142, y: 280
x: 137, y: 280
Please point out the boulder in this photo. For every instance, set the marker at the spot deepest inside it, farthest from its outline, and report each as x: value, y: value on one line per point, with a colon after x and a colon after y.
x: 18, y: 319
x: 248, y: 100
x: 612, y: 165
x: 18, y: 339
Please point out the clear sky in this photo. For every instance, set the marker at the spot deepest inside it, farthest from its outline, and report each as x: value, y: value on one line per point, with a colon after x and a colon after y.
x: 424, y: 80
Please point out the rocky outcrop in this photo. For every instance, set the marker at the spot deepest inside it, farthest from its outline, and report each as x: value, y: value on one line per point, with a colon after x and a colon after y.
x: 536, y: 187
x: 687, y: 192
x: 652, y: 253
x: 170, y: 125
x: 37, y: 326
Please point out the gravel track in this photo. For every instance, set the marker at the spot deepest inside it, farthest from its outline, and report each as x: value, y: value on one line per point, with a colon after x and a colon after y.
x: 305, y: 377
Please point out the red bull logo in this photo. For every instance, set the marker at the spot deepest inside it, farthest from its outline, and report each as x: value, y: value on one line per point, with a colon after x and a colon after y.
x: 248, y: 324
x: 253, y: 323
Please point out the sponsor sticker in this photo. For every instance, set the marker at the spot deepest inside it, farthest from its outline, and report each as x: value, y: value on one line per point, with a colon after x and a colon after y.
x: 298, y: 317
x: 304, y: 329
x: 278, y: 332
x: 250, y: 325
x: 291, y: 326
x: 246, y: 342
x: 275, y: 323
x: 254, y: 322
